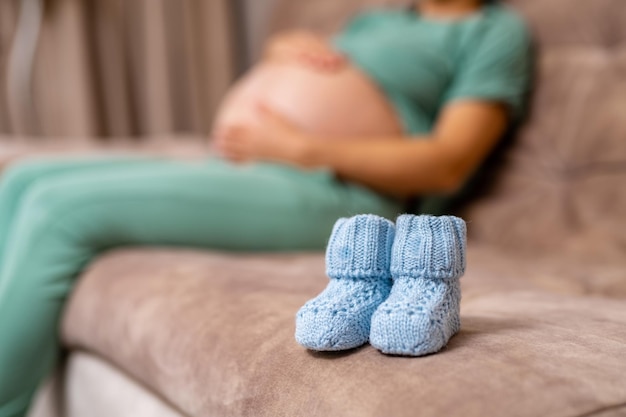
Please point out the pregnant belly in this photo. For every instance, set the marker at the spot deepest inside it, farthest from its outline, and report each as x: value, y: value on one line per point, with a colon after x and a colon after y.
x: 345, y: 103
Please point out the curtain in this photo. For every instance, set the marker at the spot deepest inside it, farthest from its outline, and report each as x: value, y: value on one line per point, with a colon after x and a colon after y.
x: 7, y: 28
x: 114, y: 68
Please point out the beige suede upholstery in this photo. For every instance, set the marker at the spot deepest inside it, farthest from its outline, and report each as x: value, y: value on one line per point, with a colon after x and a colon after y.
x: 544, y: 306
x: 213, y: 334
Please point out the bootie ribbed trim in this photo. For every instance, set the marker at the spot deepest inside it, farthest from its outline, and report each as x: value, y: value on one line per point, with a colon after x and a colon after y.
x: 429, y: 247
x: 360, y: 247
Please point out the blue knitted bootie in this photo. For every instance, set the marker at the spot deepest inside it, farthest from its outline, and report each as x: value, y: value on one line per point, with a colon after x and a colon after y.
x: 357, y: 262
x: 422, y: 311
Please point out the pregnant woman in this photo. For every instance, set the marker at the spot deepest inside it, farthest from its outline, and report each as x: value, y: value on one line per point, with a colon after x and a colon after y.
x: 400, y: 103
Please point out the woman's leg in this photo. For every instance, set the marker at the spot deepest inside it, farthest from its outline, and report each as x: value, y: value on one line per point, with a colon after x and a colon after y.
x: 63, y: 221
x: 19, y: 177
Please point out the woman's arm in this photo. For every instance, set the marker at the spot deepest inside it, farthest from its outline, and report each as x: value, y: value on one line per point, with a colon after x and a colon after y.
x: 464, y: 135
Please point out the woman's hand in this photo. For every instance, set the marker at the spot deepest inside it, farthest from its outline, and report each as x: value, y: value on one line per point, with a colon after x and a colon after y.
x: 306, y: 48
x: 272, y: 139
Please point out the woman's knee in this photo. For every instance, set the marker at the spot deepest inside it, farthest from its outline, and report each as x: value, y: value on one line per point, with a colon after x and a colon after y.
x: 42, y: 229
x: 47, y: 201
x: 18, y: 176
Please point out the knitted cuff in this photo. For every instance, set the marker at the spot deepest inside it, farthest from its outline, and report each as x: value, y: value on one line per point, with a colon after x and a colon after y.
x: 360, y: 247
x: 429, y: 247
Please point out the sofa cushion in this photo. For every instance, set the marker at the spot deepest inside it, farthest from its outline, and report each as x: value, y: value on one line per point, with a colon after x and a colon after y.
x: 214, y: 334
x: 567, y: 23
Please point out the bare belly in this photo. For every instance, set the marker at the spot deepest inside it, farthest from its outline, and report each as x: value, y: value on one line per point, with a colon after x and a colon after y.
x: 345, y: 103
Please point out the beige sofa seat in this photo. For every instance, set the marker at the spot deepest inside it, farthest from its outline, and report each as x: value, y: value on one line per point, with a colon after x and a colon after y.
x: 213, y: 334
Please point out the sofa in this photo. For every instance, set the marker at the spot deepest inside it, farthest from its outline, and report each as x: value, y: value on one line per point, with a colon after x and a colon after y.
x: 196, y: 333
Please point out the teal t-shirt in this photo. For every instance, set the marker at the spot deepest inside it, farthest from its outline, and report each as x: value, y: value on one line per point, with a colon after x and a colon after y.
x: 422, y: 64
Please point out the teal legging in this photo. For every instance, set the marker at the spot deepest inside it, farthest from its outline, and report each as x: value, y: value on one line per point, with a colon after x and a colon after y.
x: 57, y: 215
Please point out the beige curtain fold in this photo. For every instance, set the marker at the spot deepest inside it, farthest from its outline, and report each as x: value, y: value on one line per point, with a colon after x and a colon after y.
x: 8, y: 17
x: 122, y: 68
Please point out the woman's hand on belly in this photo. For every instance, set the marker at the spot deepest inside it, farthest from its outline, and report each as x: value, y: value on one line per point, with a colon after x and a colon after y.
x: 271, y: 138
x: 307, y: 48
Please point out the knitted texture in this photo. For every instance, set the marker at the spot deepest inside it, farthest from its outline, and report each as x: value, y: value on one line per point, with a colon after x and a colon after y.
x: 357, y: 263
x: 422, y: 311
